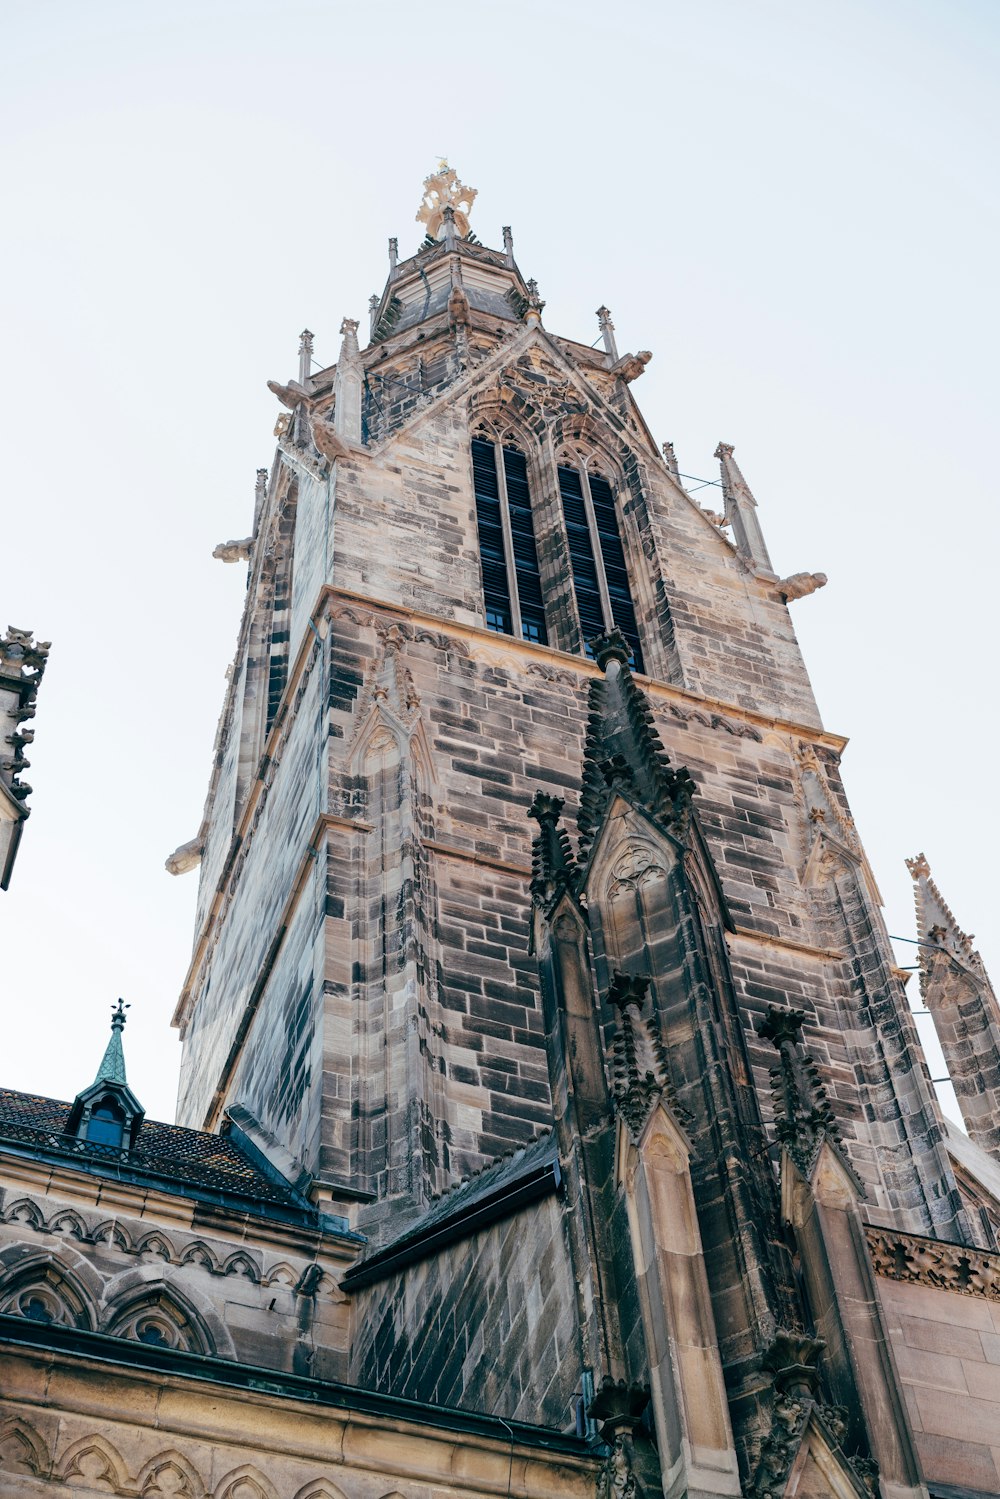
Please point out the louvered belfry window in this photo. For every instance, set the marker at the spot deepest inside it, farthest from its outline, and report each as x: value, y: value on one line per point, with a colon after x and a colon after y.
x: 512, y: 588
x: 597, y: 558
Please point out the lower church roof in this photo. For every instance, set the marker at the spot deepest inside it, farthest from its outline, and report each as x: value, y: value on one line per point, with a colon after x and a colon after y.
x: 191, y: 1160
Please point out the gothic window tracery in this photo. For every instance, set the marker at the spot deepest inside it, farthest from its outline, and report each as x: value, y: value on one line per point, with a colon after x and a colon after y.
x: 596, y: 554
x: 588, y: 529
x: 44, y: 1294
x: 512, y: 589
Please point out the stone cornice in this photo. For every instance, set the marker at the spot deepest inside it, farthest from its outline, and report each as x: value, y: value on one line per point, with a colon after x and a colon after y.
x: 475, y: 635
x: 206, y: 1399
x: 933, y: 1262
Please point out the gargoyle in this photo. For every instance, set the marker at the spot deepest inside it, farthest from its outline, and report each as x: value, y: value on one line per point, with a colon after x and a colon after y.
x: 290, y: 395
x: 800, y: 584
x: 233, y: 551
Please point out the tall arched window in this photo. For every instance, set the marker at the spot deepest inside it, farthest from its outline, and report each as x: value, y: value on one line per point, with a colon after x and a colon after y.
x: 512, y: 587
x: 597, y: 558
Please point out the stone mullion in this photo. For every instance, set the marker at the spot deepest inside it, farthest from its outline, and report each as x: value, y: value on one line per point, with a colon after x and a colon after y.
x: 595, y: 542
x: 572, y: 631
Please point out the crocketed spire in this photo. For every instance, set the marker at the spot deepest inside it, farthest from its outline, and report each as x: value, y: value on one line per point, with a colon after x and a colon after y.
x: 623, y: 751
x: 112, y: 1068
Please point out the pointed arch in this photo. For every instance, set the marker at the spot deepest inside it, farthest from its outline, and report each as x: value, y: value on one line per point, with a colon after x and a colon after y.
x: 199, y: 1253
x: 245, y: 1482
x: 319, y: 1488
x: 280, y: 1274
x: 112, y: 1231
x: 22, y: 1449
x: 23, y: 1210
x: 143, y: 1305
x: 241, y: 1264
x: 44, y: 1289
x: 157, y: 1245
x: 95, y: 1460
x: 173, y: 1465
x: 68, y: 1222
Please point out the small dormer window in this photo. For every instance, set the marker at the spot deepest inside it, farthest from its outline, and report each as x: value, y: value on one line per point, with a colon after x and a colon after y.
x: 107, y: 1114
x: 106, y: 1125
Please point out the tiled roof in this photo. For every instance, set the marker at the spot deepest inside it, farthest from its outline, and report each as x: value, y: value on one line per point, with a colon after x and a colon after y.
x: 209, y: 1162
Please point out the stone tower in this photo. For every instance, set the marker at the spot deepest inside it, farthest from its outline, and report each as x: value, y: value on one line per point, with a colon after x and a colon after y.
x: 552, y: 1118
x: 451, y: 518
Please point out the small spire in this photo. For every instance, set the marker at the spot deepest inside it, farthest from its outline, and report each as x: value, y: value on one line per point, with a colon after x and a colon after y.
x: 393, y: 256
x: 372, y: 315
x: 607, y: 328
x: 935, y: 923
x: 552, y: 862
x: 112, y: 1068
x: 305, y: 356
x: 508, y: 245
x: 741, y: 510
x: 670, y: 459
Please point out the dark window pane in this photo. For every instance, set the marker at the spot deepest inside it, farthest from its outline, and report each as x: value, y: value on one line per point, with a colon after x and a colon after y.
x: 496, y: 588
x: 522, y: 526
x: 581, y: 554
x: 613, y: 556
x: 106, y: 1126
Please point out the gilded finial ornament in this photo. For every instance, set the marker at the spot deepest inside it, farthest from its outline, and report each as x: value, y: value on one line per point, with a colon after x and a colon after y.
x: 442, y: 190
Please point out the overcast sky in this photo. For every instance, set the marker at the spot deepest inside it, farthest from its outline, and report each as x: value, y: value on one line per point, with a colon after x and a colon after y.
x: 792, y: 204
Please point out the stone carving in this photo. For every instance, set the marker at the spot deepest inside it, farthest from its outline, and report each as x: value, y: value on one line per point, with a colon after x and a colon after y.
x: 623, y: 752
x: 22, y: 665
x: 21, y: 1448
x: 552, y: 863
x: 638, y: 1061
x: 290, y: 395
x: 799, y: 585
x: 630, y: 366
x: 233, y: 551
x: 803, y: 1114
x: 932, y: 1262
x: 442, y: 190
x: 188, y: 856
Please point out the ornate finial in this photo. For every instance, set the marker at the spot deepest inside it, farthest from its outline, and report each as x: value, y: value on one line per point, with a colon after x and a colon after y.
x: 607, y: 328
x: 393, y: 255
x: 803, y: 1115
x: 442, y: 190
x: 670, y: 459
x: 551, y: 855
x: 611, y: 646
x: 112, y: 1068
x: 305, y: 355
x: 508, y: 244
x: 627, y: 989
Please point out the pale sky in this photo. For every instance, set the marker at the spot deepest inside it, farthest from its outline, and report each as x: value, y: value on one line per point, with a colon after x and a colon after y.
x: 791, y: 204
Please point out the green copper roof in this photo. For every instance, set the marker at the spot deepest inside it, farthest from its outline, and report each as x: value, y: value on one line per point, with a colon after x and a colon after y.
x: 112, y: 1068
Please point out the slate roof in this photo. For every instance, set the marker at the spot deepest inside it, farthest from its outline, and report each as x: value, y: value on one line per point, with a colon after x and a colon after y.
x: 495, y: 1192
x: 210, y: 1163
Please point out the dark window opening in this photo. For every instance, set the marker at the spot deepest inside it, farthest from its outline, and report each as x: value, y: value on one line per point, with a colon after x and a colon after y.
x: 522, y: 528
x: 512, y: 588
x: 153, y: 1335
x: 613, y: 555
x: 106, y: 1126
x: 36, y: 1309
